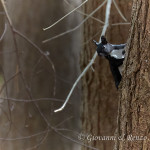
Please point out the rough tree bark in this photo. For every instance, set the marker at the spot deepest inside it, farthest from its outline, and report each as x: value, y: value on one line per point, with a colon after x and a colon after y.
x: 100, y: 96
x: 134, y: 110
x: 19, y: 119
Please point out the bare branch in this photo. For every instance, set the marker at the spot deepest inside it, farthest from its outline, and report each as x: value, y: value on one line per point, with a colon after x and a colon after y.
x: 74, y: 141
x: 107, y: 14
x: 6, y: 82
x: 65, y: 16
x: 23, y: 138
x: 34, y: 45
x: 6, y: 93
x: 33, y: 135
x: 121, y: 23
x: 82, y: 13
x: 39, y: 143
x: 33, y: 100
x: 27, y: 88
x: 96, y: 19
x: 69, y: 118
x: 119, y: 11
x: 71, y: 30
x: 14, y: 31
x: 41, y: 52
x: 5, y: 29
x: 6, y: 12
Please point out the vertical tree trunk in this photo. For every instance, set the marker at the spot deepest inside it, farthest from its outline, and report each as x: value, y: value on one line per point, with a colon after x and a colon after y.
x: 134, y: 110
x: 100, y: 96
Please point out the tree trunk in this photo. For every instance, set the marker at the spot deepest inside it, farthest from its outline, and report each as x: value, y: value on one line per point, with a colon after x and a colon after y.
x: 134, y: 110
x: 31, y: 77
x: 100, y: 97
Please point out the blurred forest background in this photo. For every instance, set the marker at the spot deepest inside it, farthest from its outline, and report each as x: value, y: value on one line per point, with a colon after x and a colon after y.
x: 36, y: 76
x: 32, y: 88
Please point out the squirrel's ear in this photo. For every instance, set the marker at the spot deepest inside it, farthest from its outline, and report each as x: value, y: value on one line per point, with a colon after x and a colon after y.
x: 103, y: 39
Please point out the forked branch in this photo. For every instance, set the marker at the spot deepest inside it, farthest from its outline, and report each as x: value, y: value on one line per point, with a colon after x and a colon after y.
x: 65, y: 16
x: 107, y: 15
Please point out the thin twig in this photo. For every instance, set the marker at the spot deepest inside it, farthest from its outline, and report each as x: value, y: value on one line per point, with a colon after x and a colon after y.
x: 75, y: 28
x: 6, y: 93
x: 119, y: 11
x: 82, y: 13
x: 107, y: 14
x: 34, y: 69
x: 6, y: 12
x: 33, y: 100
x: 114, y: 24
x: 16, y: 47
x: 17, y: 73
x: 14, y: 31
x: 27, y: 88
x: 33, y: 135
x: 8, y: 105
x: 5, y: 29
x: 75, y: 141
x: 59, y: 133
x: 42, y: 53
x: 96, y: 19
x: 121, y: 23
x: 23, y: 138
x: 39, y: 143
x: 65, y: 16
x: 69, y: 118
